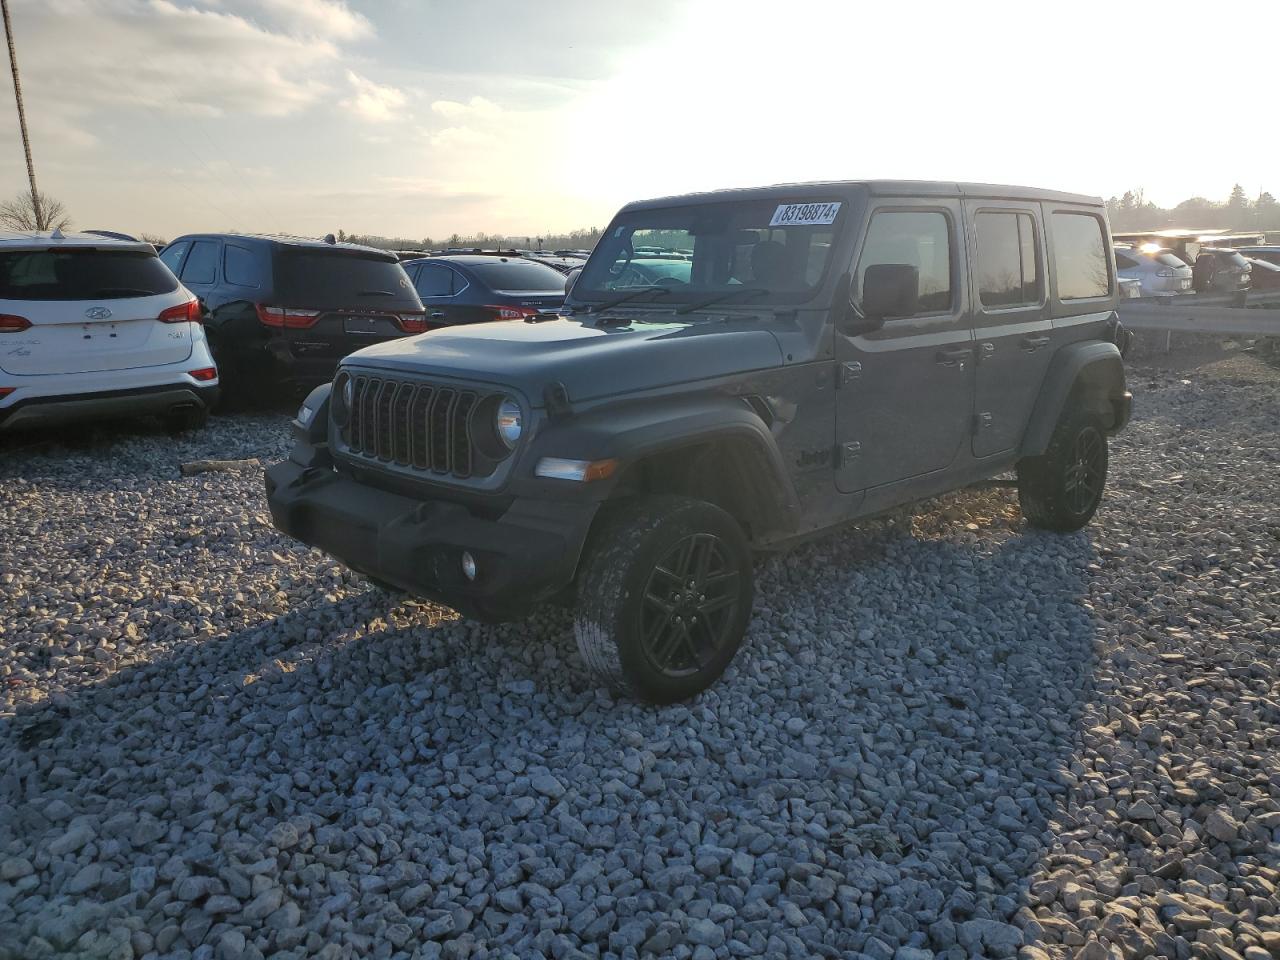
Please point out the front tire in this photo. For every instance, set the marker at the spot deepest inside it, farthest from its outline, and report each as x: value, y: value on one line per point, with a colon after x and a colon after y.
x: 664, y: 597
x: 1061, y: 489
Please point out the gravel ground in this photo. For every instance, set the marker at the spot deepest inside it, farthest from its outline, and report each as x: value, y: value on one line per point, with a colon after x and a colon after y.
x: 946, y: 735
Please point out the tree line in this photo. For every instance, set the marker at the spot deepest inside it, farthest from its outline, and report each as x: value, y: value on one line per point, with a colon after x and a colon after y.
x: 1133, y: 211
x: 1129, y: 211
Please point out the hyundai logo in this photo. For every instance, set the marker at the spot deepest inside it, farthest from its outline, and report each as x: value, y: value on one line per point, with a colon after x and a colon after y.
x: 97, y: 313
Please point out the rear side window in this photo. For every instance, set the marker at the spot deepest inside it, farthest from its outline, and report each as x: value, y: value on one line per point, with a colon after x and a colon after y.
x: 171, y: 256
x: 1168, y: 260
x: 202, y: 263
x: 1080, y: 256
x: 920, y: 239
x: 239, y: 266
x: 435, y: 280
x: 1125, y: 263
x: 1008, y: 259
x: 521, y: 275
x: 314, y: 277
x: 84, y: 274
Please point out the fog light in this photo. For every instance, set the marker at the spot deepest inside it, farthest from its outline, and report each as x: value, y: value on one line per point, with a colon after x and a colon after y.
x: 468, y: 565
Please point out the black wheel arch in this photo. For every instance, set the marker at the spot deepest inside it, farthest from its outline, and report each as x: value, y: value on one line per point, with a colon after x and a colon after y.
x: 1090, y: 374
x: 717, y: 449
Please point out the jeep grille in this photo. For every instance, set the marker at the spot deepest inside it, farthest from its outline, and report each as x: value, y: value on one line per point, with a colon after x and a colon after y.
x: 423, y: 426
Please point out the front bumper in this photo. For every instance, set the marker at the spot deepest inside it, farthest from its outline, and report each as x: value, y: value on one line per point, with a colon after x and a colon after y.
x: 524, y: 556
x: 46, y: 411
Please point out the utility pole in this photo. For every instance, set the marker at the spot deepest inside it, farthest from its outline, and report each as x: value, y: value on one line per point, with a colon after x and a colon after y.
x: 22, y: 116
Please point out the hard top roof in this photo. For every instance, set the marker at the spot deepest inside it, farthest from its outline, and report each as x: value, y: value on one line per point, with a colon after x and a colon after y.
x: 473, y: 259
x: 879, y: 188
x: 48, y: 239
x: 283, y: 239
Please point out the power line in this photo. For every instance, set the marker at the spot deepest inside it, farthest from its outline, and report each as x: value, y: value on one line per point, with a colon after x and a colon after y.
x: 22, y: 116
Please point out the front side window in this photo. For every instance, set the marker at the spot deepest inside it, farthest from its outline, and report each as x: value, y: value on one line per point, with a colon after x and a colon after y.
x: 1125, y: 262
x: 921, y: 239
x: 171, y: 256
x: 1080, y: 256
x: 202, y: 263
x: 1008, y: 259
x: 762, y: 251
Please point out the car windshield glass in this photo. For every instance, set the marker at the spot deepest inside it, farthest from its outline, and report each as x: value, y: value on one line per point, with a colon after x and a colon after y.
x: 523, y: 275
x: 697, y: 251
x: 1166, y: 259
x: 341, y: 278
x: 82, y: 274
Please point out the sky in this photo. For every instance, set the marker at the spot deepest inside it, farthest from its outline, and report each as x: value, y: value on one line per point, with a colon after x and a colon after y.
x: 419, y: 118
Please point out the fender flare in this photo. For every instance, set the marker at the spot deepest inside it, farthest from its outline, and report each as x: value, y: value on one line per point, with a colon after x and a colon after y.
x: 1096, y: 368
x: 636, y: 430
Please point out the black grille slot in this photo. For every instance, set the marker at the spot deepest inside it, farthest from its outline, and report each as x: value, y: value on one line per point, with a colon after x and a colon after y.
x: 418, y: 410
x: 384, y: 426
x: 425, y: 427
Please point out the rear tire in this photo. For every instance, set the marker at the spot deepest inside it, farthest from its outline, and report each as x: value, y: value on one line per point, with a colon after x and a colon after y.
x: 664, y: 597
x: 1061, y: 489
x: 184, y: 421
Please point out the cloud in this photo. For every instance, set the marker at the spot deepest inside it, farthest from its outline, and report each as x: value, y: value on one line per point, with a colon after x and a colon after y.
x: 477, y: 107
x: 204, y: 59
x: 318, y: 18
x: 375, y: 102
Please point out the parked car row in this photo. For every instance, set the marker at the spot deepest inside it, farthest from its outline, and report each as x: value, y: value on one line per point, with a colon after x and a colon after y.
x: 96, y: 325
x: 1162, y: 273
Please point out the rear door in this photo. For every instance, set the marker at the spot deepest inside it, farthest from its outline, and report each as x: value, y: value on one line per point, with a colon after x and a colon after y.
x: 90, y: 310
x: 905, y: 400
x: 1012, y: 324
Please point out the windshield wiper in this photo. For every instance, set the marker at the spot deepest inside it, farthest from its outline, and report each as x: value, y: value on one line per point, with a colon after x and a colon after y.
x: 630, y: 295
x: 124, y: 292
x: 741, y: 292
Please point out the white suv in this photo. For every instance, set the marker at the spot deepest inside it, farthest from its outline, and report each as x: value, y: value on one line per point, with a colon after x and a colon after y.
x: 93, y: 327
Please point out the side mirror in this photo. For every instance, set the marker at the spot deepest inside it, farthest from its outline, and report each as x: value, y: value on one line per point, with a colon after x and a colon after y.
x: 890, y: 291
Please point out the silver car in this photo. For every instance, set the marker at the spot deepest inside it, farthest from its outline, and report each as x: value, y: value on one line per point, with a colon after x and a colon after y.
x: 1159, y: 271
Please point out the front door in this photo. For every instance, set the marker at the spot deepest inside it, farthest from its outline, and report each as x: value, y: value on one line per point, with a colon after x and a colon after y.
x: 1012, y: 326
x: 905, y: 397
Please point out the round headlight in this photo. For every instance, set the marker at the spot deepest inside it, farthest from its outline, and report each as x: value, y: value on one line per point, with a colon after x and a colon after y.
x: 509, y: 422
x: 343, y: 389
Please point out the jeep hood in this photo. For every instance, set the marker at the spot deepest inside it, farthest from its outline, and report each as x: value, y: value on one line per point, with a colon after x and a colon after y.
x: 592, y: 362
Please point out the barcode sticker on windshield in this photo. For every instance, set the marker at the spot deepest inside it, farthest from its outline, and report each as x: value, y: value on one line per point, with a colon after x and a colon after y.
x: 799, y: 214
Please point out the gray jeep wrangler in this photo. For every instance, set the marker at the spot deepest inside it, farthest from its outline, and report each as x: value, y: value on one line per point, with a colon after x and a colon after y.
x: 732, y: 371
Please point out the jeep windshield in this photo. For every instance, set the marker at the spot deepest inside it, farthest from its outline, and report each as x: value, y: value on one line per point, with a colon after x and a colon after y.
x: 757, y: 252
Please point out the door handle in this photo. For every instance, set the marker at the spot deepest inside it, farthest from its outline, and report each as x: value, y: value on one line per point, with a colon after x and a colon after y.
x: 1032, y: 344
x: 952, y: 358
x: 435, y: 315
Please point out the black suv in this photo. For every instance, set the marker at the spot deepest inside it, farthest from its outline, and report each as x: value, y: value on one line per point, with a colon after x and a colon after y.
x: 834, y: 350
x: 284, y: 310
x: 476, y: 288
